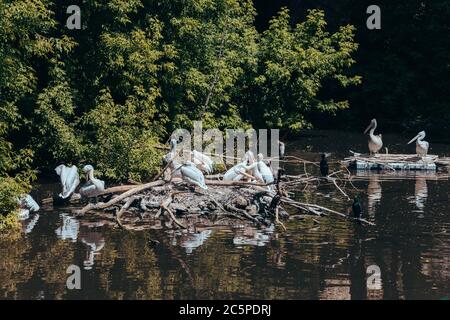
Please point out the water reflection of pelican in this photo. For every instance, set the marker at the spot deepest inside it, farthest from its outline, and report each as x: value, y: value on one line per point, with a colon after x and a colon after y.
x: 94, y: 242
x: 374, y: 192
x: 253, y: 237
x: 68, y: 230
x: 192, y: 240
x: 420, y: 193
x: 29, y: 224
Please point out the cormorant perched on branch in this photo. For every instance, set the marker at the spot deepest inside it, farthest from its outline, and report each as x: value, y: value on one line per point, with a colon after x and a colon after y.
x: 324, y: 165
x: 356, y: 208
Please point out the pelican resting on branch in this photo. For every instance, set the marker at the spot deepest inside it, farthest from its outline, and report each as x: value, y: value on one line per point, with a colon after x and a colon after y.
x: 421, y: 145
x: 69, y: 180
x: 192, y: 174
x: 265, y: 171
x: 202, y: 161
x: 27, y: 204
x: 239, y: 171
x: 236, y: 173
x: 93, y: 187
x: 375, y: 141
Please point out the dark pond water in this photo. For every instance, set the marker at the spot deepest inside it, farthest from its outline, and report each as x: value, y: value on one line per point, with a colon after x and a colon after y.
x: 410, y: 246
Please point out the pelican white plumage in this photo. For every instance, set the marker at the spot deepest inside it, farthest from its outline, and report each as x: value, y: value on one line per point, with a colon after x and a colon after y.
x: 235, y: 173
x: 69, y: 180
x: 26, y: 205
x: 172, y: 153
x: 375, y: 141
x: 421, y: 145
x: 27, y: 201
x: 265, y: 171
x: 253, y: 170
x: 250, y: 157
x: 192, y: 174
x: 202, y: 161
x: 171, y: 158
x: 93, y: 186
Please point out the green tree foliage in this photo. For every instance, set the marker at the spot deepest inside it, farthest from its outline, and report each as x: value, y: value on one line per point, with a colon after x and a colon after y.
x: 294, y: 62
x: 215, y: 45
x: 110, y: 93
x: 404, y: 65
x: 21, y: 24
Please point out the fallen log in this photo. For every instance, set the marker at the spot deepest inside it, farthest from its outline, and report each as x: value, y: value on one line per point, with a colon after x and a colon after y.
x: 119, y: 198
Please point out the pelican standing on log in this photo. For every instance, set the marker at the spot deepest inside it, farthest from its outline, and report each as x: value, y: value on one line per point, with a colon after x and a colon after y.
x: 170, y: 158
x: 94, y: 186
x: 265, y: 171
x: 421, y: 145
x: 239, y: 171
x: 202, y: 161
x: 375, y: 141
x: 172, y: 153
x: 192, y: 174
x: 236, y: 173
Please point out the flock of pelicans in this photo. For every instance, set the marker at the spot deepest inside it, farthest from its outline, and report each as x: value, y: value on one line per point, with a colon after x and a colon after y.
x: 376, y: 141
x: 250, y: 168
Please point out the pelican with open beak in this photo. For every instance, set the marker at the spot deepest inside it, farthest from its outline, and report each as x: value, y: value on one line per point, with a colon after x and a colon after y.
x: 421, y: 145
x: 375, y: 141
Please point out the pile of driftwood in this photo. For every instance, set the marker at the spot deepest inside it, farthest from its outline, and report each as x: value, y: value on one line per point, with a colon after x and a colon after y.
x: 176, y: 204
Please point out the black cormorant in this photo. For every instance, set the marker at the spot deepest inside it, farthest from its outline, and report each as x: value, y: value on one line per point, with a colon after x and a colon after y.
x: 281, y: 149
x: 324, y: 165
x: 356, y: 208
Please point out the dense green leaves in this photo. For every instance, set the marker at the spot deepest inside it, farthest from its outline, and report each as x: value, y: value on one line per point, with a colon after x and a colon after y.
x: 110, y: 93
x: 294, y: 62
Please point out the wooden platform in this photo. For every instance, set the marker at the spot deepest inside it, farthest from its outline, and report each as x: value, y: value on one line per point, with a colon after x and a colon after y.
x: 391, y: 162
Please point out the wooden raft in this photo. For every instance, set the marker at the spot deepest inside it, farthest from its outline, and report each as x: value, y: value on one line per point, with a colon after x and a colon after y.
x: 391, y: 162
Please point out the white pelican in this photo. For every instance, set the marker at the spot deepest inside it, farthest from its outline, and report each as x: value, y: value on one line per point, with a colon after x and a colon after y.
x: 27, y: 205
x: 265, y: 171
x: 173, y: 151
x: 421, y: 145
x: 27, y: 202
x: 69, y: 180
x: 192, y: 174
x: 375, y: 141
x: 254, y: 171
x: 236, y: 173
x: 250, y: 157
x: 93, y: 186
x: 202, y: 161
x: 171, y: 156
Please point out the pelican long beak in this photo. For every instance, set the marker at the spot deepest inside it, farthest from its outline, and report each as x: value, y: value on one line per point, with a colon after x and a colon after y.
x: 368, y: 128
x: 415, y: 138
